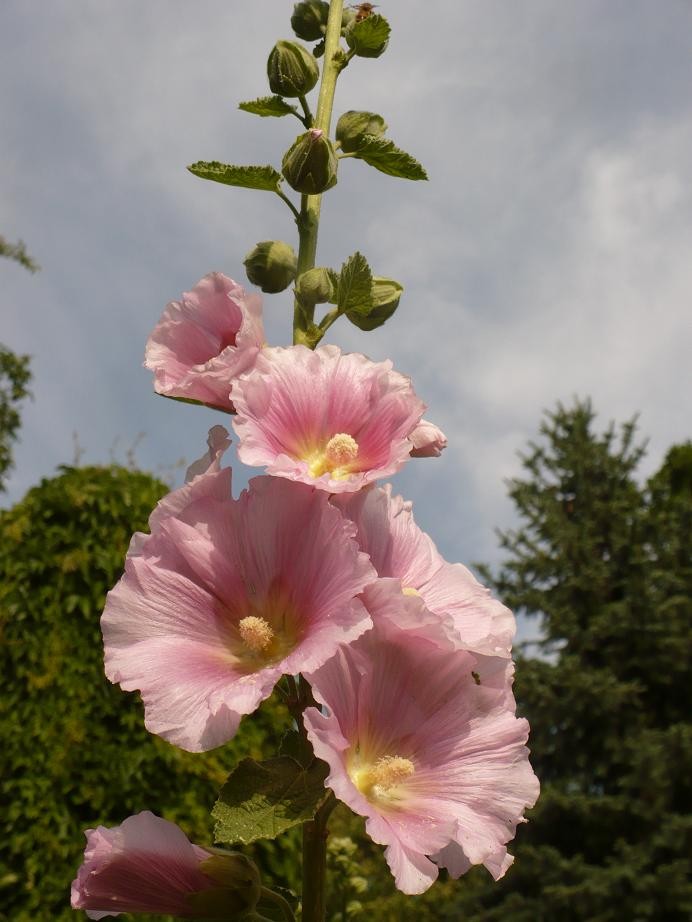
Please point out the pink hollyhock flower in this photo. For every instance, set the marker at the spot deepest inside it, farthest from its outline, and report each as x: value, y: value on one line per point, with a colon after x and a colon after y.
x: 425, y: 744
x: 204, y: 341
x: 225, y: 596
x: 428, y: 441
x: 148, y: 865
x: 335, y: 420
x: 424, y: 580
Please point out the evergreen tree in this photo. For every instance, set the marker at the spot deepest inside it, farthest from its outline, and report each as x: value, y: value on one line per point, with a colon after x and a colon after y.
x: 607, y: 565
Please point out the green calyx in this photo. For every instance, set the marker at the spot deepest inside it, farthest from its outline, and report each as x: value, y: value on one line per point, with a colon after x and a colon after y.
x: 385, y: 296
x: 353, y: 126
x: 309, y: 19
x: 291, y: 69
x: 237, y: 886
x: 310, y: 164
x: 271, y: 265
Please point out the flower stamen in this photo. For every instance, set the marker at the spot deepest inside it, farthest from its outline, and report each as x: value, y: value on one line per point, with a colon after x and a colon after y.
x: 256, y: 633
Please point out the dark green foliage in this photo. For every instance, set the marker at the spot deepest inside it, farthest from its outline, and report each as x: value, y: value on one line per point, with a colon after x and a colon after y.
x: 75, y: 752
x: 18, y: 252
x: 607, y: 563
x: 15, y: 376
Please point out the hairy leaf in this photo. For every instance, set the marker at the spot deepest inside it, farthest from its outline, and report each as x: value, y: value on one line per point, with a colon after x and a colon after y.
x: 265, y: 178
x: 386, y: 157
x: 354, y: 292
x: 267, y: 106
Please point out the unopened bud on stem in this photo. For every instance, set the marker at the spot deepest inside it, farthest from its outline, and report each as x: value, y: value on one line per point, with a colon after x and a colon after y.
x: 310, y: 164
x: 309, y: 19
x: 315, y: 287
x: 291, y: 69
x: 271, y: 265
x: 352, y: 126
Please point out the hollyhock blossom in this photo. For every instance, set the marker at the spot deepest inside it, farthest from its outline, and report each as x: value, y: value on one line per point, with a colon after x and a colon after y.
x: 205, y: 340
x: 424, y: 743
x: 428, y: 441
x: 148, y: 865
x: 225, y: 596
x: 332, y: 419
x: 423, y: 580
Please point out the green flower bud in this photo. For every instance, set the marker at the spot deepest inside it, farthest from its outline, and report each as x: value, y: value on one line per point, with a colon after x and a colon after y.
x: 271, y: 265
x: 310, y: 164
x: 238, y: 886
x: 386, y: 294
x: 315, y: 287
x: 309, y: 19
x: 353, y: 125
x: 291, y: 69
x: 368, y: 36
x: 347, y: 17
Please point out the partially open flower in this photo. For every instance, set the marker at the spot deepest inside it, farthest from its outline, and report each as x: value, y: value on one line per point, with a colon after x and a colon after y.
x: 222, y: 599
x: 335, y: 420
x: 402, y: 553
x: 148, y: 865
x: 428, y: 441
x: 205, y: 340
x: 424, y: 743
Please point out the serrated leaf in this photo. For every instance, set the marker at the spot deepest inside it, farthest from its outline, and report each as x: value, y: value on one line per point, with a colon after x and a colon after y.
x: 268, y: 106
x: 386, y: 157
x: 369, y: 37
x: 386, y: 294
x: 265, y: 178
x: 260, y: 800
x: 354, y: 291
x: 318, y: 50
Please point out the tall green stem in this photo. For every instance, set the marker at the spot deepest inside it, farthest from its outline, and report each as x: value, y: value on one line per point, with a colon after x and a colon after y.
x: 309, y: 219
x: 314, y: 897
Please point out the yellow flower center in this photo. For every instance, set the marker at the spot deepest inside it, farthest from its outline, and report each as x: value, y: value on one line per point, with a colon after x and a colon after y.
x: 382, y: 780
x: 409, y: 590
x: 256, y: 633
x: 336, y: 458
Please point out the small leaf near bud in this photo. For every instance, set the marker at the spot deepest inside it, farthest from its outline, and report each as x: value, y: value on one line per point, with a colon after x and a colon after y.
x: 386, y: 294
x: 316, y: 286
x: 355, y: 285
x: 368, y: 38
x: 310, y: 164
x: 271, y: 265
x: 309, y: 19
x: 353, y: 126
x: 291, y: 69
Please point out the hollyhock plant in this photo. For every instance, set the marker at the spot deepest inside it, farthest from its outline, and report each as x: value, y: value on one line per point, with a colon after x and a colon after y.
x: 402, y: 553
x: 204, y: 341
x: 424, y: 743
x: 149, y: 865
x: 328, y: 418
x: 221, y: 600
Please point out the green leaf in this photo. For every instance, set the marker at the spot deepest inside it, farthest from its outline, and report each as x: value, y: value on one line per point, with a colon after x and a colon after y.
x: 386, y: 157
x: 318, y: 50
x: 267, y: 106
x: 369, y: 37
x: 265, y: 178
x: 260, y: 800
x: 386, y: 294
x: 354, y: 291
x: 298, y: 747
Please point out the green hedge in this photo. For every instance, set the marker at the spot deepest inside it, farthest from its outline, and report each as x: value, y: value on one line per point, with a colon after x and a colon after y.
x: 75, y: 752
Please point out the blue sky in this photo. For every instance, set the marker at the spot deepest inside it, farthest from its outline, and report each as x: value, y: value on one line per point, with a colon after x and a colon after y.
x: 548, y: 256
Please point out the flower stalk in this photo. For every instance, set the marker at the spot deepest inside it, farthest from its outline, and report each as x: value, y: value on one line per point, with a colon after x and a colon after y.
x: 309, y: 219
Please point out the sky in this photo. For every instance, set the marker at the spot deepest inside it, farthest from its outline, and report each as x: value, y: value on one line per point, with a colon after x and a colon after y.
x: 548, y: 256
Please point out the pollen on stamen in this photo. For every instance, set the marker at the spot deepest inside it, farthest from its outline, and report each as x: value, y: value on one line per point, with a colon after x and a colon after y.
x: 341, y: 449
x: 409, y: 590
x: 255, y: 633
x: 390, y: 771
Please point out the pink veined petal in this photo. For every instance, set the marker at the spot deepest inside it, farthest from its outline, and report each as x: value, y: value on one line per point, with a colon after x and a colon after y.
x: 296, y: 401
x: 446, y: 716
x: 204, y: 341
x: 144, y: 865
x: 213, y: 568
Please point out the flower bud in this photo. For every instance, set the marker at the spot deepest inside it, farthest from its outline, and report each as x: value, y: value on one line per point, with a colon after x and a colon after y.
x: 291, y: 69
x: 386, y: 294
x: 309, y: 19
x: 347, y: 17
x: 368, y: 37
x: 315, y: 287
x: 310, y: 164
x: 353, y: 125
x: 271, y: 265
